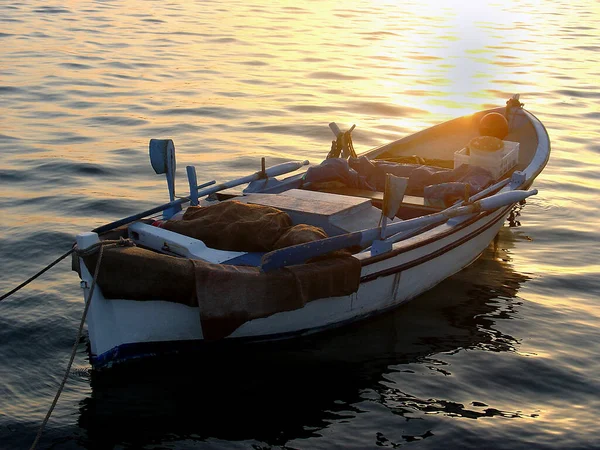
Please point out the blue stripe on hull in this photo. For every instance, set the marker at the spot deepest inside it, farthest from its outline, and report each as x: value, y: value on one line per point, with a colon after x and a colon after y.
x: 144, y: 350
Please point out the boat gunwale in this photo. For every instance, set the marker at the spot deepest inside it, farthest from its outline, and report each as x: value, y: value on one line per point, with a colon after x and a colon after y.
x: 439, y: 233
x: 448, y: 247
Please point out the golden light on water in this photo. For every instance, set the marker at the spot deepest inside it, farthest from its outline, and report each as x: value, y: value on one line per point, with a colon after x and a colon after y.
x: 86, y: 84
x: 458, y: 56
x: 442, y: 58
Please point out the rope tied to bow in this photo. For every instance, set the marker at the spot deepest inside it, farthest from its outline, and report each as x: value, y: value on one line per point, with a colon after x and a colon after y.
x: 98, y: 247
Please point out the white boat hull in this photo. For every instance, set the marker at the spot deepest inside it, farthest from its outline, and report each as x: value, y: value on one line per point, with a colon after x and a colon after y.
x: 125, y: 329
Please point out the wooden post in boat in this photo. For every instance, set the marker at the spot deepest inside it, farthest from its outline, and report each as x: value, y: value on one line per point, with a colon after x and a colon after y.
x: 335, y: 129
x: 193, y: 182
x: 347, y: 149
x: 194, y: 187
x: 392, y: 199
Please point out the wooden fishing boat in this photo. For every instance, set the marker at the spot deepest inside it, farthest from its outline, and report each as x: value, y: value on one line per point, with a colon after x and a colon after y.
x: 349, y: 238
x: 129, y: 396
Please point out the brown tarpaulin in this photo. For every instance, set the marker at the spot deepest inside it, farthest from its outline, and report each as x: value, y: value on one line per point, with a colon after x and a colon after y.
x: 227, y: 296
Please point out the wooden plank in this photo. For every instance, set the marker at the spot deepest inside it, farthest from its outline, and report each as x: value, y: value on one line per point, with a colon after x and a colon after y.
x: 312, y: 202
x: 410, y: 200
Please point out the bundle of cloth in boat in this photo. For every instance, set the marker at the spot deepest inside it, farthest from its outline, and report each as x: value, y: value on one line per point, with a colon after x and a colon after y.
x: 243, y: 227
x: 363, y: 173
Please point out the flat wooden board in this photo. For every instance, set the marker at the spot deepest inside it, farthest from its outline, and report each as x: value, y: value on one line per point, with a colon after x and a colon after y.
x: 311, y: 202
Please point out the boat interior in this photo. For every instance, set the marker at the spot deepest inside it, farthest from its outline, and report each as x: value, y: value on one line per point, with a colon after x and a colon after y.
x: 339, y: 208
x: 435, y: 147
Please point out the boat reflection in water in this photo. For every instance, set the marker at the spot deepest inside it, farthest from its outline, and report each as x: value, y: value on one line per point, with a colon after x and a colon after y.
x: 275, y: 393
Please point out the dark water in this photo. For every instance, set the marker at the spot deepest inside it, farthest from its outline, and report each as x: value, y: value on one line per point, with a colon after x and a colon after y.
x: 504, y: 355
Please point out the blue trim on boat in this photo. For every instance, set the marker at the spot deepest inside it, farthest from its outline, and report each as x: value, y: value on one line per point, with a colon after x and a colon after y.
x: 141, y: 350
x: 247, y: 259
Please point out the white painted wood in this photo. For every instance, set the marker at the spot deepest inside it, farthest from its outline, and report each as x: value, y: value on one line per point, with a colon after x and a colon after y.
x: 312, y: 202
x: 87, y: 239
x: 167, y: 241
x: 336, y: 214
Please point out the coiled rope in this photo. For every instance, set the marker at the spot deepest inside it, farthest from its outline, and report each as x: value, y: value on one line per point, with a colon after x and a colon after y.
x: 343, y: 146
x: 88, y: 251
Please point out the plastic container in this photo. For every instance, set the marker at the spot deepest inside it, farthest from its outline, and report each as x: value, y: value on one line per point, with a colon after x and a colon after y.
x: 498, y: 162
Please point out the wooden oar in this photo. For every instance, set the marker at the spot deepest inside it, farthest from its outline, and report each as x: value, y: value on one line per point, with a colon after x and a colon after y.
x: 404, y: 234
x: 273, y: 171
x: 297, y: 254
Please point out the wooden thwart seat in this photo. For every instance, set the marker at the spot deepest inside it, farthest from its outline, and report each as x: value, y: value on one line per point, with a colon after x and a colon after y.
x: 335, y: 213
x: 376, y: 197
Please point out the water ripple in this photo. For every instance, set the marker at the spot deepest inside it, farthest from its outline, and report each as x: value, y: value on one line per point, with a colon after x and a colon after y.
x: 208, y: 111
x: 51, y: 10
x: 85, y: 85
x: 384, y: 109
x: 117, y: 121
x: 323, y: 75
x: 76, y: 66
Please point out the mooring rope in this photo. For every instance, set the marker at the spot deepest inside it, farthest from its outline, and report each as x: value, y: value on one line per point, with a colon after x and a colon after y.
x: 92, y: 249
x: 25, y: 283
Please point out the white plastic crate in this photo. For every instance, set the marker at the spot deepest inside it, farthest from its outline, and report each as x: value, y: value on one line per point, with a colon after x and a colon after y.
x: 498, y: 163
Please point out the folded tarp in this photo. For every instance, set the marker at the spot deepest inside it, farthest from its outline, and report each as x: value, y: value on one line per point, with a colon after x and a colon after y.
x: 337, y: 169
x: 229, y: 296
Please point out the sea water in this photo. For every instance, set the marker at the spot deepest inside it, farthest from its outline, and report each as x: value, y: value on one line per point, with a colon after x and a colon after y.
x: 503, y: 355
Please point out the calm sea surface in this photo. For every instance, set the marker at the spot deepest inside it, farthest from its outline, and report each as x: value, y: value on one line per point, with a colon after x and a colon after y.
x: 504, y: 355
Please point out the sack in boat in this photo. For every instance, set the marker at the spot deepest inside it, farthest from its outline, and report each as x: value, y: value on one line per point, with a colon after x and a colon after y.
x: 336, y: 169
x: 444, y: 195
x: 419, y: 177
x: 299, y: 234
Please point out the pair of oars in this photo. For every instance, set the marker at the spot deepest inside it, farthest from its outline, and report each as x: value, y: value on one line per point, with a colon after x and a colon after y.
x: 298, y: 254
x: 273, y: 171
